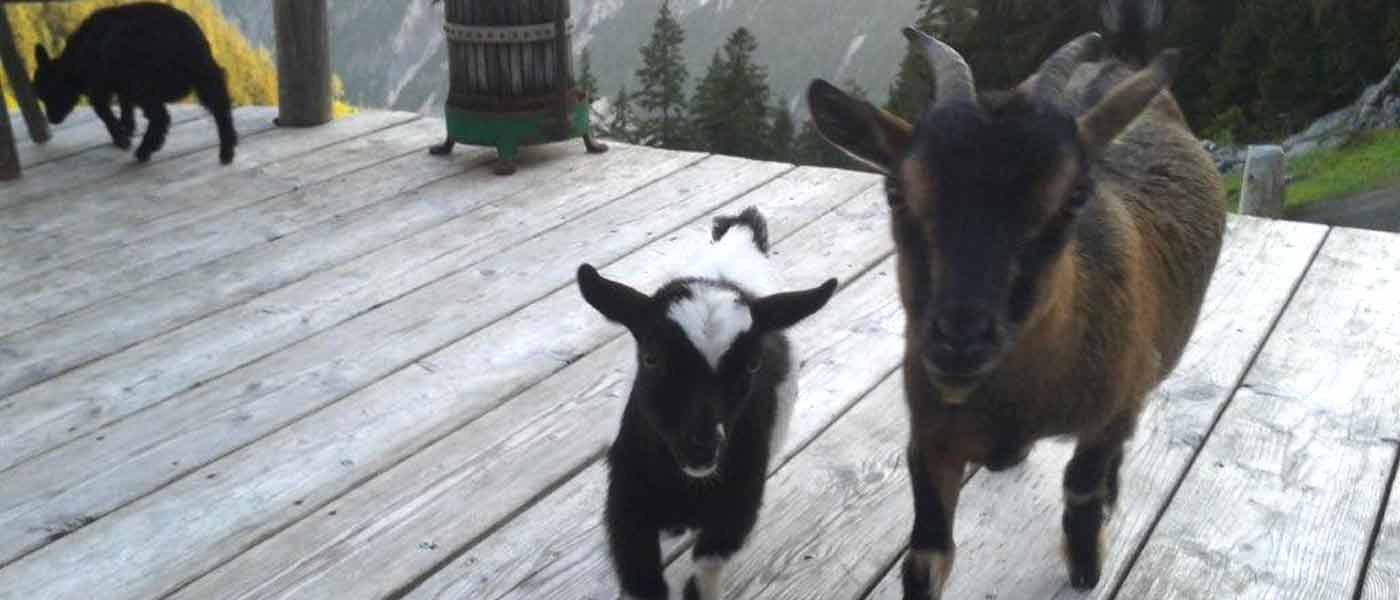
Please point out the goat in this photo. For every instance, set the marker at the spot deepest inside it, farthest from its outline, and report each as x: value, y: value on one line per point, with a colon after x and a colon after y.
x: 1054, y: 244
x: 709, y: 406
x: 146, y: 54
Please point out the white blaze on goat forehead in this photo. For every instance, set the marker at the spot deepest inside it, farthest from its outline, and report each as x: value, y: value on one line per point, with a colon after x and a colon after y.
x: 712, y: 318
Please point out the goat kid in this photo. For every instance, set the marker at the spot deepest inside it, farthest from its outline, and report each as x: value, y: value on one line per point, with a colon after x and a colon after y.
x: 1054, y: 246
x: 715, y: 384
x: 146, y: 54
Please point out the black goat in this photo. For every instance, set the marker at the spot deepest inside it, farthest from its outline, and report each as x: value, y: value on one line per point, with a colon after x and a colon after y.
x: 715, y: 385
x: 145, y: 54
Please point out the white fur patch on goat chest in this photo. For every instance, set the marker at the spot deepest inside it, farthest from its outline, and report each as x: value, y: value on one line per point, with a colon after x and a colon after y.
x: 712, y: 318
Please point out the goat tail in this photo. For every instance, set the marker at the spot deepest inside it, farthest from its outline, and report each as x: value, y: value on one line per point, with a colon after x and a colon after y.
x: 750, y: 219
x: 1130, y: 24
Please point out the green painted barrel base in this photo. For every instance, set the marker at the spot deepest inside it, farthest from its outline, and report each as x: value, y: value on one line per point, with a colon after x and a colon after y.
x: 507, y: 132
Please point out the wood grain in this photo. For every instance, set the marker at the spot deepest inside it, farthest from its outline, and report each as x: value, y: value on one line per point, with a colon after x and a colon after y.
x: 48, y: 182
x: 490, y: 465
x: 140, y: 261
x: 96, y: 218
x: 1288, y: 488
x: 396, y: 334
x: 466, y: 228
x: 1382, y: 579
x: 70, y: 141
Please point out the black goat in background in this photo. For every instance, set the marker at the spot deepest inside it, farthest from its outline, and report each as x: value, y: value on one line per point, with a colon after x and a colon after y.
x: 145, y: 54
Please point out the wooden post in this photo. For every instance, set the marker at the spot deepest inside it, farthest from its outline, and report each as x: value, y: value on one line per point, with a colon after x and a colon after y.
x: 9, y: 154
x: 1262, y: 193
x: 303, y: 62
x: 19, y: 83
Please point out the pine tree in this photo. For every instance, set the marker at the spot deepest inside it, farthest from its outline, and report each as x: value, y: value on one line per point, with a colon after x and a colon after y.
x: 731, y: 103
x: 781, y: 148
x: 662, y: 77
x: 912, y: 86
x: 623, y: 120
x: 587, y: 83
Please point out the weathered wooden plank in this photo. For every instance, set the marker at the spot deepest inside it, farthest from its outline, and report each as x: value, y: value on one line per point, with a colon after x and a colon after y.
x: 158, y: 197
x: 84, y: 139
x: 89, y: 479
x: 1008, y: 526
x: 475, y: 227
x: 402, y: 507
x: 1383, y: 571
x: 849, y: 347
x: 303, y: 62
x: 52, y: 182
x: 1287, y: 491
x: 393, y: 336
x: 141, y: 261
x: 81, y: 115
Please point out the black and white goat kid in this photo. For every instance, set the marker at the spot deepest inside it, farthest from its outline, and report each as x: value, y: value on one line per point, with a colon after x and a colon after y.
x: 715, y: 384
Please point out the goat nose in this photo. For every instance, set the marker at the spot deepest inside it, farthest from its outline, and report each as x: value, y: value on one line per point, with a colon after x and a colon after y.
x: 964, y: 325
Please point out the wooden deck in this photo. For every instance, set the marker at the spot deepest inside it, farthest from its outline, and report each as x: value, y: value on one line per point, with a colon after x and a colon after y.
x: 343, y: 368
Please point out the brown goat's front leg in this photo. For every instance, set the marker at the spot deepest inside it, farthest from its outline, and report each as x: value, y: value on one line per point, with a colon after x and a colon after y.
x: 1091, y: 490
x: 936, y: 479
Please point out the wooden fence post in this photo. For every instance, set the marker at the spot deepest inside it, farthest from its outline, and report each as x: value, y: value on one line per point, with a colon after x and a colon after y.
x: 1263, y: 190
x: 303, y: 62
x: 9, y: 154
x: 19, y: 83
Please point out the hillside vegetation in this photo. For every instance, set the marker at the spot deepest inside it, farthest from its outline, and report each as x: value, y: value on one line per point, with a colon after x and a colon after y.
x: 252, y: 73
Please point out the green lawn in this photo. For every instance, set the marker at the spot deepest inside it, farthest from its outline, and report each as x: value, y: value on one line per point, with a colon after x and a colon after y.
x: 1370, y: 161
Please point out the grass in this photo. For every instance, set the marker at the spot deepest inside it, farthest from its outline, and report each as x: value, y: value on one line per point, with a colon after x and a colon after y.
x: 1370, y: 161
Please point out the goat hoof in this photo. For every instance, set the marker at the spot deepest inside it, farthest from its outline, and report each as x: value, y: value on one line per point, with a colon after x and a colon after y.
x: 122, y: 141
x: 1085, y: 580
x: 143, y: 156
x: 226, y: 156
x: 692, y: 589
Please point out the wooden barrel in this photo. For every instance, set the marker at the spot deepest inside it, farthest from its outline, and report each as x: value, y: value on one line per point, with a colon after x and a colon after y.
x: 509, y: 55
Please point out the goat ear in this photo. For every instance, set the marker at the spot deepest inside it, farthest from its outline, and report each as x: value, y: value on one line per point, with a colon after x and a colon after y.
x: 873, y: 136
x: 41, y: 56
x: 617, y: 301
x: 1122, y: 104
x: 781, y: 311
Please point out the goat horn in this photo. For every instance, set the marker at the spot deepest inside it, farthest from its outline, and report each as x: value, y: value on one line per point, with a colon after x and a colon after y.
x: 952, y: 78
x: 1050, y: 79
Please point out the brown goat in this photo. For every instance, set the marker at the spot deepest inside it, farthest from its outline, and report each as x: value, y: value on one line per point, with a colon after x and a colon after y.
x: 1054, y: 246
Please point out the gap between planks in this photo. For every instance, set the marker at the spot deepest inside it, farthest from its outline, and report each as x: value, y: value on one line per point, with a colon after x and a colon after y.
x: 379, y: 520
x: 231, y: 415
x: 435, y: 233
x: 282, y: 212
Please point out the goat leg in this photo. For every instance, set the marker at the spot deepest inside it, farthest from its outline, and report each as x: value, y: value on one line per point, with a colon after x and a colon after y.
x: 718, y: 540
x: 102, y: 105
x: 636, y: 554
x: 936, y: 479
x: 128, y: 116
x: 1091, y: 490
x: 157, y: 126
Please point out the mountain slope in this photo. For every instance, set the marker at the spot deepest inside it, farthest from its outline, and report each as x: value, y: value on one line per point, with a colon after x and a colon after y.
x: 393, y: 53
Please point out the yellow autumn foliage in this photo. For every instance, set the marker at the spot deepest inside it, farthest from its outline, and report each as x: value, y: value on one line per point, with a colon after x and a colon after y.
x: 252, y: 73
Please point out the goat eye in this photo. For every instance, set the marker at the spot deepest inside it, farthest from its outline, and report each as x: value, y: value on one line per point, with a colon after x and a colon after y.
x: 754, y: 365
x: 650, y: 361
